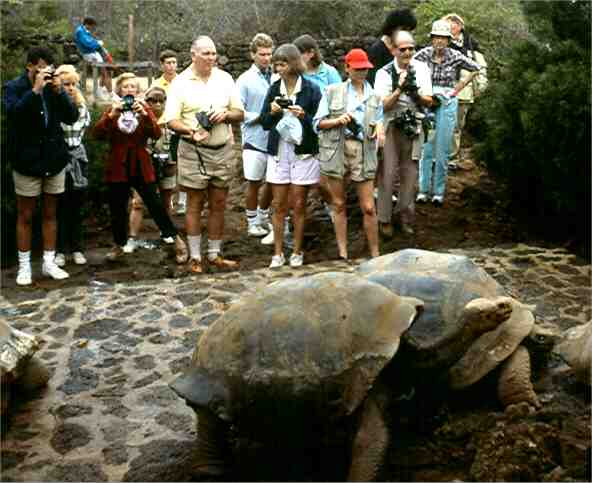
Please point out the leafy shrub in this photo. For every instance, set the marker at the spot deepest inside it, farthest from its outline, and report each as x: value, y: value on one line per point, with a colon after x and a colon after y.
x: 534, y: 132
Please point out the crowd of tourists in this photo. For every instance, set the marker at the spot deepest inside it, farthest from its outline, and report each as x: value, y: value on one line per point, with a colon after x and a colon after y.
x: 392, y: 124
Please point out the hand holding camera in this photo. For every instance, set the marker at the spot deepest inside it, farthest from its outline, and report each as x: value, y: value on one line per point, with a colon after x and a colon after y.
x: 280, y: 103
x: 44, y: 77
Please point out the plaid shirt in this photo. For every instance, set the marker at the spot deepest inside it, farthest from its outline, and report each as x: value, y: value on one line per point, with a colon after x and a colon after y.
x: 73, y: 134
x: 445, y: 74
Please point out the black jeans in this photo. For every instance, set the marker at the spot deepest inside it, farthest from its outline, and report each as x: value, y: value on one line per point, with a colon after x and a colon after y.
x: 69, y: 214
x: 119, y: 194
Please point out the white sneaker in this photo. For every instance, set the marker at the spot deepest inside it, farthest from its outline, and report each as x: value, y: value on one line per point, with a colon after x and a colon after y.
x: 181, y: 208
x: 296, y: 260
x: 23, y: 277
x: 60, y: 260
x: 268, y: 239
x: 52, y: 270
x: 79, y: 258
x: 394, y: 198
x: 130, y: 246
x: 421, y: 198
x: 257, y: 230
x: 169, y: 240
x: 277, y: 261
x: 438, y: 200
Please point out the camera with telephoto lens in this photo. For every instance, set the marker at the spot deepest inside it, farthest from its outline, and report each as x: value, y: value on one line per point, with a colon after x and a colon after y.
x: 284, y: 102
x: 128, y: 103
x: 407, y: 123
x: 204, y: 120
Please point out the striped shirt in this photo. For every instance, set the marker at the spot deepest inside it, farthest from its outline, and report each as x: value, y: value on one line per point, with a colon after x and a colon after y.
x: 73, y: 134
x: 445, y: 74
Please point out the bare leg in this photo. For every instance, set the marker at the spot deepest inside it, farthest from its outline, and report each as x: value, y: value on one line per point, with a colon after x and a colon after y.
x: 217, y: 204
x: 167, y: 200
x: 195, y: 199
x: 212, y: 443
x: 299, y: 213
x: 370, y: 443
x: 337, y: 191
x: 280, y: 210
x: 365, y: 195
x: 252, y: 194
x: 25, y: 207
x: 50, y: 225
x: 136, y: 215
x: 265, y: 200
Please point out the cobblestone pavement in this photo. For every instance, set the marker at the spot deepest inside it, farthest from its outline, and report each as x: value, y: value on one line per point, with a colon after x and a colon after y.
x: 108, y: 413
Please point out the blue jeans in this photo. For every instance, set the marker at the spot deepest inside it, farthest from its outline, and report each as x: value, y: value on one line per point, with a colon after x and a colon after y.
x: 437, y: 150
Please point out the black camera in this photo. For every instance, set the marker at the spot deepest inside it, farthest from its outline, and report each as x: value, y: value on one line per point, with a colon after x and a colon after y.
x: 161, y: 164
x: 354, y: 127
x: 128, y: 103
x: 204, y: 120
x: 284, y: 102
x: 49, y: 74
x: 407, y: 123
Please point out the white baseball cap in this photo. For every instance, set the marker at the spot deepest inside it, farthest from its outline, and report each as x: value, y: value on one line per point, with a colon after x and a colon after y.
x: 441, y: 28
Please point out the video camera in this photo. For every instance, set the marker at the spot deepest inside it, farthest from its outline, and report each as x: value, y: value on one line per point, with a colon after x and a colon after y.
x: 204, y: 120
x: 407, y: 123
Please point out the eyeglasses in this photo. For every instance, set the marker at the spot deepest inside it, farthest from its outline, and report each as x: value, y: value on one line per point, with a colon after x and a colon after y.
x: 155, y: 100
x: 405, y: 49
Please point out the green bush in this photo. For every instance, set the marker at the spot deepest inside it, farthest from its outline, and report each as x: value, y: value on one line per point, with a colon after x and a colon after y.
x: 534, y: 131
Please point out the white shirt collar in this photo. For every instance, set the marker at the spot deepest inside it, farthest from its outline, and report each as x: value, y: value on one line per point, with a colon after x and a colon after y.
x: 297, y: 88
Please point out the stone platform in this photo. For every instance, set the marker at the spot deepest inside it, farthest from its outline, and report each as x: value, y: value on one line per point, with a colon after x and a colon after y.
x: 108, y: 414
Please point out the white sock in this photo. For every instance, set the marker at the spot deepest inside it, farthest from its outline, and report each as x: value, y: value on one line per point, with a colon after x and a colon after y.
x: 263, y: 215
x: 24, y: 259
x: 194, y: 242
x: 182, y: 197
x: 48, y: 256
x: 214, y: 247
x: 252, y: 217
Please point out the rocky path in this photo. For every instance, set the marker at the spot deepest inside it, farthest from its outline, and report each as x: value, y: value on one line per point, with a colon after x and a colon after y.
x: 108, y: 414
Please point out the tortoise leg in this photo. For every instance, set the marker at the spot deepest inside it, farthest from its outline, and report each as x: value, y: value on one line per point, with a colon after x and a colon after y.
x: 370, y: 442
x: 514, y: 385
x: 211, y: 457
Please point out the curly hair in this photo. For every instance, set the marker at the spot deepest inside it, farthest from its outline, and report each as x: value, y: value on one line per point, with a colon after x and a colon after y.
x: 68, y: 72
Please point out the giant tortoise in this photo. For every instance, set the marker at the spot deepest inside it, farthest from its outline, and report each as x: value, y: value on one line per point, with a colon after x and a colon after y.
x: 299, y: 354
x: 449, y: 336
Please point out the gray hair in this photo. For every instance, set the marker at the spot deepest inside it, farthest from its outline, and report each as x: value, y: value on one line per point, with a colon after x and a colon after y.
x: 200, y: 42
x: 403, y: 35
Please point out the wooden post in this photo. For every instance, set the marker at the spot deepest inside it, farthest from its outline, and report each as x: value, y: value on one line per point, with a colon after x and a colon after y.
x: 130, y: 38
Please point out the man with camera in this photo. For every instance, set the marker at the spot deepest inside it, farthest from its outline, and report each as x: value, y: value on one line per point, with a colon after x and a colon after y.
x: 36, y: 105
x: 200, y: 107
x: 405, y: 86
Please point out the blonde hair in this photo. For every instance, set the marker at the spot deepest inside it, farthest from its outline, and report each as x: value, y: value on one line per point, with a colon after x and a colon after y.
x: 68, y: 72
x: 123, y: 77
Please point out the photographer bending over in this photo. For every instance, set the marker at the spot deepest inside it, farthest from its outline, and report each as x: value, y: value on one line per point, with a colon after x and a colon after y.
x: 127, y: 125
x: 349, y: 121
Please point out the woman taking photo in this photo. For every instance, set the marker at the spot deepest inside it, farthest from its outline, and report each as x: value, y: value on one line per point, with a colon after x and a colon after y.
x: 349, y: 120
x: 287, y: 113
x: 127, y: 125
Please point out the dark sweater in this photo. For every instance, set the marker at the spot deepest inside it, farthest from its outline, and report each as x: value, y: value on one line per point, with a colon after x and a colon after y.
x: 32, y: 147
x: 308, y: 98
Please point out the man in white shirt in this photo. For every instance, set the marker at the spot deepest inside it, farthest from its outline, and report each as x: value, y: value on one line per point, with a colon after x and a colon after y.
x: 200, y: 107
x: 404, y: 86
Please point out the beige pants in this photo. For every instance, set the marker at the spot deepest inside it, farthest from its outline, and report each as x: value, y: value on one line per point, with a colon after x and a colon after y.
x: 461, y: 119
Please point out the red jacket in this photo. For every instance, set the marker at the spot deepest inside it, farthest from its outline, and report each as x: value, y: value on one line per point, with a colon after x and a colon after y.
x: 127, y: 147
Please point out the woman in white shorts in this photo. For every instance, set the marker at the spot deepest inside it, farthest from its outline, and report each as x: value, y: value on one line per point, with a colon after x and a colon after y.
x: 293, y: 145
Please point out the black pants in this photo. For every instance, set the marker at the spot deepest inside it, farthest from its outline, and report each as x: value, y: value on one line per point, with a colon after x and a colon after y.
x: 119, y: 194
x: 69, y: 214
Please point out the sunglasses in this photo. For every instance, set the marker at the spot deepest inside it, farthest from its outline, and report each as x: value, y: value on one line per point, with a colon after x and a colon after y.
x: 405, y: 49
x: 156, y: 99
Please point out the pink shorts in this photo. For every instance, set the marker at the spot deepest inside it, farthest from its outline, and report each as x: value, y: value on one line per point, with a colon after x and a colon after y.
x: 288, y: 168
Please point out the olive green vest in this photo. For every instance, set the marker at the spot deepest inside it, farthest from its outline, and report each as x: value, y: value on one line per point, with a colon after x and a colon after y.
x: 332, y: 141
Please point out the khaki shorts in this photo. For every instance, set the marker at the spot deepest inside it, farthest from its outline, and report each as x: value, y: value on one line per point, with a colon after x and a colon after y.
x: 215, y: 166
x: 34, y: 186
x: 354, y: 161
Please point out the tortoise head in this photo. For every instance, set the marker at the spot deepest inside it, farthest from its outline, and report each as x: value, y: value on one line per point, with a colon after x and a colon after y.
x: 542, y: 339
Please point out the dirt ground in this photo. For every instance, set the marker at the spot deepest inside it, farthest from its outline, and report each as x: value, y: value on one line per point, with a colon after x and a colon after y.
x: 474, y: 215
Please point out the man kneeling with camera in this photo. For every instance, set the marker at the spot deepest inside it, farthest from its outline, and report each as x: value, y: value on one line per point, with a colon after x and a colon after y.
x: 202, y: 103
